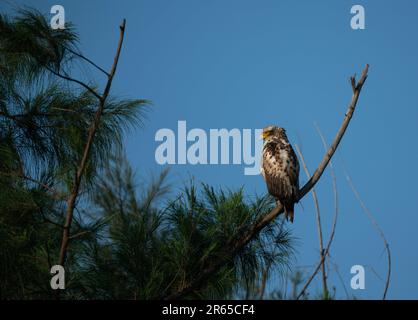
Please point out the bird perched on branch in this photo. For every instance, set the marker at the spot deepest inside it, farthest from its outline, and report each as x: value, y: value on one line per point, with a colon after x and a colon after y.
x: 280, y: 168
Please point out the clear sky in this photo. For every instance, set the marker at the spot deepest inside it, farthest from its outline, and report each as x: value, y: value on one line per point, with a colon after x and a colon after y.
x: 246, y: 64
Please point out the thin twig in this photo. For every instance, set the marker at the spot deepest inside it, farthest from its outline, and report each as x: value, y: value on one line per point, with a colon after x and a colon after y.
x: 376, y: 226
x: 52, y: 222
x: 56, y: 194
x: 68, y: 78
x: 336, y: 269
x: 66, y: 110
x: 87, y: 60
x: 318, y: 223
x: 236, y: 245
x: 77, y: 235
x: 334, y: 223
x: 334, y: 188
x: 48, y: 256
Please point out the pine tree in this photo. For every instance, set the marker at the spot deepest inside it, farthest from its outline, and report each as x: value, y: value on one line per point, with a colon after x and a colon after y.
x: 127, y: 240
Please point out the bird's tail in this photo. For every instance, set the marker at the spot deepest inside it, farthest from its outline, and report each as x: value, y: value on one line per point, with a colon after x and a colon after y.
x: 289, y: 212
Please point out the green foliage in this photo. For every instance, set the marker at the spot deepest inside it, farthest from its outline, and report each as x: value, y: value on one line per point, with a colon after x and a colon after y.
x: 44, y: 121
x: 129, y: 241
x: 44, y: 125
x: 29, y: 45
x: 149, y: 250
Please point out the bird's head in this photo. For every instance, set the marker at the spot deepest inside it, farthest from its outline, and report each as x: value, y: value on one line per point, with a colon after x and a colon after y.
x: 272, y: 131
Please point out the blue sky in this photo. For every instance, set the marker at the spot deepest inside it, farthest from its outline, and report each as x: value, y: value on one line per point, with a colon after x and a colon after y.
x: 246, y: 64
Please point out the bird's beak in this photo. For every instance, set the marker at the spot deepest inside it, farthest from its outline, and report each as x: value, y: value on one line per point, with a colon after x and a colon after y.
x: 263, y: 136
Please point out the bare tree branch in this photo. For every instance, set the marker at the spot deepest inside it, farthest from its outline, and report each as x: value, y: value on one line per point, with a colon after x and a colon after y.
x: 82, y: 165
x: 318, y: 224
x: 247, y: 235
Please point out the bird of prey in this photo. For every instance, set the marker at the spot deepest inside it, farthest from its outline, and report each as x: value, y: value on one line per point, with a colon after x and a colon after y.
x: 280, y: 168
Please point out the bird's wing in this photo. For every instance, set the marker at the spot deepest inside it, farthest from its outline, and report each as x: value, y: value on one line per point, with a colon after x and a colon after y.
x: 292, y: 168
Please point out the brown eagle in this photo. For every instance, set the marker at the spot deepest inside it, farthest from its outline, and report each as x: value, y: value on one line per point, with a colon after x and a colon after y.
x: 280, y: 168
